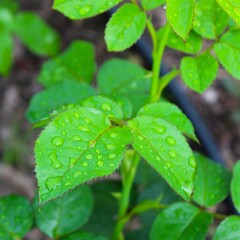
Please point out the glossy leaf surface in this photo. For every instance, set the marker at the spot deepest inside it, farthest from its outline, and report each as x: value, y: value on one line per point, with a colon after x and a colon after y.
x: 166, y: 150
x: 235, y: 186
x: 151, y: 4
x: 76, y: 63
x: 78, y: 145
x: 125, y: 27
x: 84, y: 236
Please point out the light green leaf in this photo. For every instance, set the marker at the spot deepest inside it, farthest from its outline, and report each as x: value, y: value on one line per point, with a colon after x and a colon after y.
x: 122, y: 77
x: 228, y: 52
x: 62, y: 94
x: 125, y: 27
x: 105, y: 105
x: 198, y: 73
x: 151, y: 4
x: 228, y: 229
x: 78, y: 145
x: 76, y: 63
x: 181, y: 221
x: 6, y: 21
x: 235, y: 186
x: 39, y: 37
x: 65, y: 214
x: 79, y: 9
x: 16, y: 217
x: 166, y: 150
x: 180, y: 16
x: 170, y: 113
x: 212, y: 182
x: 210, y: 20
x: 232, y: 8
x: 84, y: 236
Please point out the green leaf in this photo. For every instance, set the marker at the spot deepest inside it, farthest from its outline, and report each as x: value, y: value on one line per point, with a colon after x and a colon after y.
x: 38, y: 37
x: 180, y: 16
x: 235, y: 187
x: 65, y: 214
x: 6, y: 55
x: 16, y: 217
x: 79, y: 9
x: 122, y: 77
x: 76, y: 63
x: 78, y: 145
x: 181, y: 221
x: 11, y: 5
x: 212, y: 182
x: 166, y: 150
x: 125, y: 27
x: 105, y: 105
x: 151, y: 4
x: 228, y: 229
x: 84, y: 236
x: 192, y: 44
x: 170, y: 113
x: 43, y: 103
x: 210, y: 20
x: 232, y: 8
x: 198, y: 73
x: 6, y: 21
x: 228, y: 52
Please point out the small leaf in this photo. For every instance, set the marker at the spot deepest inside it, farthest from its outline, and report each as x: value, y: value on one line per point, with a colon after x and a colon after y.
x: 228, y: 229
x: 84, y: 236
x: 44, y: 102
x: 105, y: 105
x: 210, y: 20
x: 151, y: 4
x: 166, y: 150
x: 181, y: 221
x: 198, y: 73
x: 180, y: 16
x: 39, y: 37
x: 228, y: 52
x: 170, y: 113
x: 235, y: 187
x: 79, y: 9
x: 78, y: 145
x: 6, y: 21
x: 232, y: 8
x: 65, y: 214
x: 16, y: 217
x: 125, y: 27
x: 76, y: 63
x: 212, y: 182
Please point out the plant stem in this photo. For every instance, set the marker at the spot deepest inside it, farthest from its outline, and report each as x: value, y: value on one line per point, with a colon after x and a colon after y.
x: 128, y: 170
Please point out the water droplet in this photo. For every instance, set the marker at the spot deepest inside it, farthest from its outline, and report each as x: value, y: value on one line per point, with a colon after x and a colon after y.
x: 83, y: 128
x: 161, y: 129
x: 162, y: 149
x: 85, y: 164
x: 111, y: 165
x: 192, y: 162
x: 58, y: 141
x: 76, y: 138
x: 76, y: 174
x: 140, y: 138
x: 87, y: 120
x: 106, y: 107
x: 85, y: 10
x: 158, y: 158
x: 53, y: 182
x: 54, y: 162
x: 171, y: 140
x: 113, y: 135
x: 110, y: 147
x: 72, y: 162
x: 89, y: 157
x: 112, y: 156
x: 99, y: 156
x: 100, y: 163
x: 64, y: 133
x: 76, y: 115
x: 67, y: 184
x: 172, y: 153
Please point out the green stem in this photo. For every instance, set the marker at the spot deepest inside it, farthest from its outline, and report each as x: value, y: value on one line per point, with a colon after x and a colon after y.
x: 128, y: 170
x: 157, y: 61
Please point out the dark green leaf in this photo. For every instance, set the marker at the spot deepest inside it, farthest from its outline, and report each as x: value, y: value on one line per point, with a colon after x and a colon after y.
x: 212, y: 182
x: 210, y: 20
x: 65, y: 214
x: 16, y: 217
x: 39, y: 37
x: 198, y: 73
x: 235, y: 186
x: 76, y: 63
x: 43, y: 103
x: 11, y: 5
x: 181, y: 221
x: 78, y: 145
x: 151, y: 4
x: 180, y: 16
x: 228, y: 229
x: 125, y: 27
x: 79, y: 9
x: 170, y: 113
x: 84, y: 236
x: 163, y: 146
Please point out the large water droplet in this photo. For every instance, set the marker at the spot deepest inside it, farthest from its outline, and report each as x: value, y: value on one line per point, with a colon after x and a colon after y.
x: 76, y: 174
x: 89, y: 157
x: 112, y: 156
x: 113, y: 135
x: 85, y: 10
x: 161, y: 129
x: 106, y: 107
x: 172, y: 153
x: 110, y: 146
x: 64, y: 133
x: 83, y: 128
x: 58, y: 141
x: 192, y: 162
x: 53, y: 182
x: 85, y: 164
x: 54, y: 162
x: 171, y: 140
x: 76, y: 138
x: 72, y: 162
x: 67, y: 184
x: 100, y: 163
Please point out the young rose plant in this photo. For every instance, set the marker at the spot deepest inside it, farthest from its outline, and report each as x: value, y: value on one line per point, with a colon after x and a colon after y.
x: 124, y: 123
